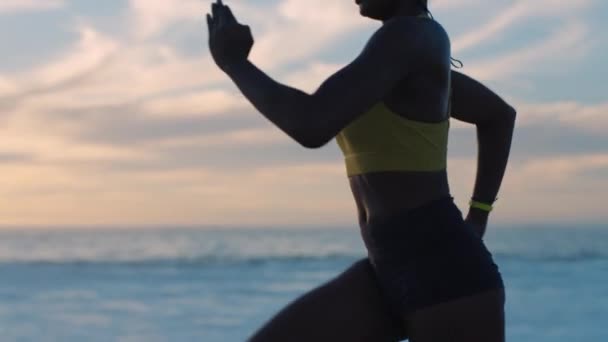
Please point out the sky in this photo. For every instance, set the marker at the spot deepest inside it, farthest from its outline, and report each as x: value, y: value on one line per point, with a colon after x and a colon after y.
x: 112, y: 112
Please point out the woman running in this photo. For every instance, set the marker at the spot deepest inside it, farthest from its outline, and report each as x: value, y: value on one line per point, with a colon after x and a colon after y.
x: 428, y: 276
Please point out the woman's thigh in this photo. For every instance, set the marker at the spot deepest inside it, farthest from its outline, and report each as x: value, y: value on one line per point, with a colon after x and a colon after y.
x: 347, y: 308
x: 478, y: 318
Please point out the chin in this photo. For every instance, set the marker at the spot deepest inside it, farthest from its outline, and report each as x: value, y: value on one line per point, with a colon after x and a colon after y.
x: 369, y: 11
x: 368, y: 14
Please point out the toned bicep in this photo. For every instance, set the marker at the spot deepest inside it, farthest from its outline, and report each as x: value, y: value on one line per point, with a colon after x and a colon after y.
x: 391, y: 53
x: 385, y: 60
x: 474, y: 103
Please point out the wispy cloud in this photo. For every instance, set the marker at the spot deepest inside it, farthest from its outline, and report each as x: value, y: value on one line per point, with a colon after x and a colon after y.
x: 76, y: 66
x: 301, y: 29
x: 201, y: 103
x: 141, y: 127
x: 590, y: 117
x: 12, y: 6
x: 152, y: 17
x: 520, y: 11
x: 571, y: 37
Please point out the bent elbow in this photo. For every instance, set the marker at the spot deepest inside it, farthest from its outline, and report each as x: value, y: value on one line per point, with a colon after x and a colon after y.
x: 510, y: 113
x: 306, y: 138
x: 315, y: 141
x: 312, y: 144
x: 510, y: 116
x: 504, y: 116
x: 311, y: 135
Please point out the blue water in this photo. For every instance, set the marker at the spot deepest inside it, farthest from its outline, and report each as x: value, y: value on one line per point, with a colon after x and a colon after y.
x: 219, y: 286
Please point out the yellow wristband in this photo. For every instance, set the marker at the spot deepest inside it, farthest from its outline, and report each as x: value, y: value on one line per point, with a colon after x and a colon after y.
x: 481, y: 206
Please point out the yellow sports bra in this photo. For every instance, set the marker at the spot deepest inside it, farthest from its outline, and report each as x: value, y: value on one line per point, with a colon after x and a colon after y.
x: 381, y: 140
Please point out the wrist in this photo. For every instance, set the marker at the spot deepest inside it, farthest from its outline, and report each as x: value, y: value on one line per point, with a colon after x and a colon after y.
x: 478, y: 214
x: 485, y: 200
x: 480, y: 210
x: 486, y: 206
x: 231, y: 68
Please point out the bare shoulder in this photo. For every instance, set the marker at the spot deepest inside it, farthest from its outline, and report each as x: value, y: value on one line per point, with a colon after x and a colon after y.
x: 408, y: 35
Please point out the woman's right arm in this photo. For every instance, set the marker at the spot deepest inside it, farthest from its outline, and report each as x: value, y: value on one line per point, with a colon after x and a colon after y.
x: 474, y: 103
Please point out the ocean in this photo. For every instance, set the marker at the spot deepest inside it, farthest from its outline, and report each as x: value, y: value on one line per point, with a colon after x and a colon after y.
x: 220, y: 285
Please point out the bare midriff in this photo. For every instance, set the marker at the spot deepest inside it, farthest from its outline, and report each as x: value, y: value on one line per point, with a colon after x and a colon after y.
x: 381, y: 195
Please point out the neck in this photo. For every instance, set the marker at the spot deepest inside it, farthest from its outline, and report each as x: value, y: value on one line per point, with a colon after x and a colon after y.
x: 406, y: 9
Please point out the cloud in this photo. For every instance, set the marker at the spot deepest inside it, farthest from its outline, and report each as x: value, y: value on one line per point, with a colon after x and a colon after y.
x: 208, y: 197
x: 6, y: 87
x: 544, y: 130
x: 92, y: 48
x: 492, y: 29
x: 43, y: 145
x: 544, y: 189
x: 557, y: 173
x: 571, y: 37
x: 302, y: 28
x: 310, y: 77
x: 591, y: 118
x: 452, y: 4
x: 240, y: 138
x: 12, y: 158
x: 518, y: 12
x: 203, y: 103
x: 134, y: 127
x: 298, y: 30
x: 12, y: 6
x: 152, y: 17
x: 87, y: 56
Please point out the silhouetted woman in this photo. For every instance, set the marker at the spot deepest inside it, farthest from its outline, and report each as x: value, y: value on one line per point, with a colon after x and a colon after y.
x: 428, y: 276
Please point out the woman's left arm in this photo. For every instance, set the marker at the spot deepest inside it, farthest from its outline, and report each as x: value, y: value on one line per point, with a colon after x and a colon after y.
x: 474, y: 103
x: 314, y: 119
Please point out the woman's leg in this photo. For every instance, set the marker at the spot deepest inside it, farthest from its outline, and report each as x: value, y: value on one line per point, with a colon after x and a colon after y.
x: 478, y: 318
x: 348, y: 308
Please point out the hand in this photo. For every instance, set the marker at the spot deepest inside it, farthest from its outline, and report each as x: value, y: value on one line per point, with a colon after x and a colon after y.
x: 478, y: 220
x: 229, y: 41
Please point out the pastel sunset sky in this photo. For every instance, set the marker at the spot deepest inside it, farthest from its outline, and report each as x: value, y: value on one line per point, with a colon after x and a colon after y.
x: 112, y: 112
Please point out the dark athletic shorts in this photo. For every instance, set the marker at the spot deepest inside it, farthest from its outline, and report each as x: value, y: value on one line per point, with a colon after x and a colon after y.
x: 427, y: 256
